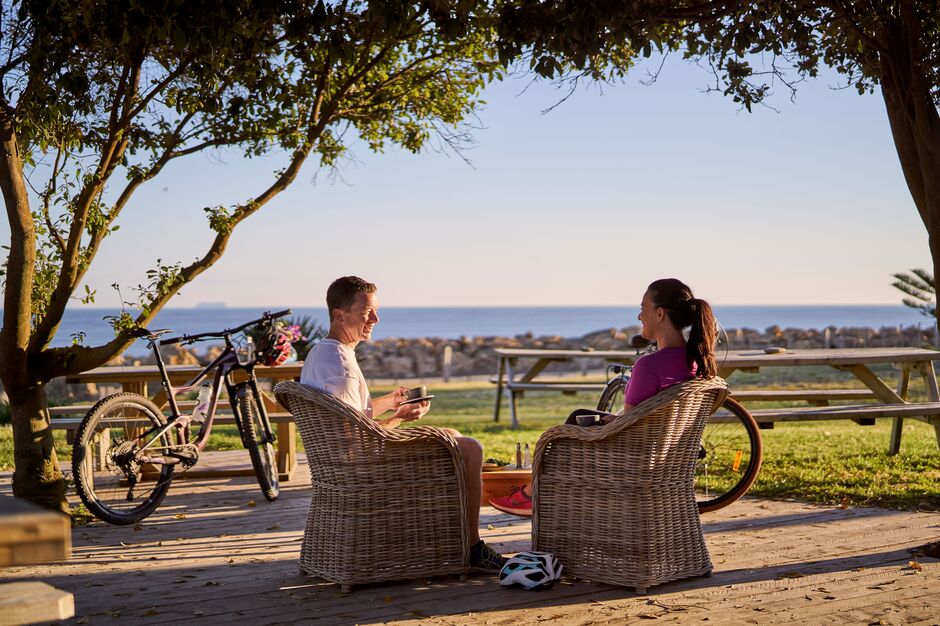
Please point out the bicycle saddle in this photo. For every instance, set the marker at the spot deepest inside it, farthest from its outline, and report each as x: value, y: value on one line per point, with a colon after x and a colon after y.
x: 145, y: 333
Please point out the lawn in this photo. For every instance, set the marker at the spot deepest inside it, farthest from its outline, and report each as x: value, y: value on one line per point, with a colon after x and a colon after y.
x: 831, y: 462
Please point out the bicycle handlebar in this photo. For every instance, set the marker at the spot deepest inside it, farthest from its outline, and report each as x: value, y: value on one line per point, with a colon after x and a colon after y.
x: 266, y: 317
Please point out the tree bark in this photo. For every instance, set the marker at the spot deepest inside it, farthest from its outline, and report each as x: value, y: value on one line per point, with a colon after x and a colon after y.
x: 915, y: 127
x: 36, y: 476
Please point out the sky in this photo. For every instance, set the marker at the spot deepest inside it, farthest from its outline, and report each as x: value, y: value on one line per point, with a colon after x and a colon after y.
x: 585, y: 204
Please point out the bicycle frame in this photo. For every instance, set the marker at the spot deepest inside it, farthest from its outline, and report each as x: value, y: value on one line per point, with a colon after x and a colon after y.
x: 223, y: 366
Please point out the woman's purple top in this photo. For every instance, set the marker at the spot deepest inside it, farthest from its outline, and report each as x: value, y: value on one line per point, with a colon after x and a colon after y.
x: 656, y: 371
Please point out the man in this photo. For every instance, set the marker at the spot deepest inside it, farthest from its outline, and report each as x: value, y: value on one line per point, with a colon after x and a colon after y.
x: 332, y: 367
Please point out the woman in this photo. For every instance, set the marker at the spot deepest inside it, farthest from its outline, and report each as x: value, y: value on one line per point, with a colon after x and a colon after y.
x: 667, y: 308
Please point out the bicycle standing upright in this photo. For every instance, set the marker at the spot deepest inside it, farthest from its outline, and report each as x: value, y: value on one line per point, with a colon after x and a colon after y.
x: 126, y: 451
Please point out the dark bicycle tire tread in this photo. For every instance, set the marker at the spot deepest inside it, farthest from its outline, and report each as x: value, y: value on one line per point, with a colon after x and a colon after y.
x: 262, y: 456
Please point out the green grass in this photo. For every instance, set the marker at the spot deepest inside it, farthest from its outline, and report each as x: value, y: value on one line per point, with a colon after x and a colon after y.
x: 831, y: 462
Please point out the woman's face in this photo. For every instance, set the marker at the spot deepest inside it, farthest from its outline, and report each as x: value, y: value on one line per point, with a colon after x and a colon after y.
x: 651, y: 316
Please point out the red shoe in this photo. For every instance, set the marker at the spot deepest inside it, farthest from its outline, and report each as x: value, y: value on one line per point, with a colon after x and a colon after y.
x: 518, y: 502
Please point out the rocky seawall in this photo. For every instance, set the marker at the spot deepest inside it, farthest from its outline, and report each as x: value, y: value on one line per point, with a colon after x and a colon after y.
x: 474, y: 356
x: 469, y: 356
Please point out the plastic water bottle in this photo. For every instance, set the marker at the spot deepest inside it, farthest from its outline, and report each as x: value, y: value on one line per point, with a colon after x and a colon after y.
x: 202, y: 404
x: 526, y: 460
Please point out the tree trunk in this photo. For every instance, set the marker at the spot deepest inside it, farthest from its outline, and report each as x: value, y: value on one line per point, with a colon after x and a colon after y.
x: 915, y: 127
x: 36, y: 476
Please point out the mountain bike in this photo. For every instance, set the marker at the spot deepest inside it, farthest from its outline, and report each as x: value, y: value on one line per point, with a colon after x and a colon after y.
x: 731, y: 451
x: 126, y: 451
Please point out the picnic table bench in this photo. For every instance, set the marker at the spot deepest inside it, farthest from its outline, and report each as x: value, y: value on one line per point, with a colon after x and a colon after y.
x: 135, y: 379
x: 889, y: 403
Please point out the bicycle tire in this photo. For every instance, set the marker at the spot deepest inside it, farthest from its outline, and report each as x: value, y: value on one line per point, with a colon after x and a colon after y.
x: 730, y: 455
x: 260, y: 451
x: 104, y: 483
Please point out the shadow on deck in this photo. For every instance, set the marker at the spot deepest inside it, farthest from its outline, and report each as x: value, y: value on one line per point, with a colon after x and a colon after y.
x: 217, y: 552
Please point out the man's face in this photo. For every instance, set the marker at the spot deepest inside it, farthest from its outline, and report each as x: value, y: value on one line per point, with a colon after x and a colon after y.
x: 358, y: 320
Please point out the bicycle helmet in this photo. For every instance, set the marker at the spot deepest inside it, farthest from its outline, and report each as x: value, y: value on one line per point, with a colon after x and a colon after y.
x: 276, y: 349
x: 531, y: 570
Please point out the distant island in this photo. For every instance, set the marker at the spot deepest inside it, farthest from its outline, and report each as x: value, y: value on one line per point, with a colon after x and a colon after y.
x: 210, y: 305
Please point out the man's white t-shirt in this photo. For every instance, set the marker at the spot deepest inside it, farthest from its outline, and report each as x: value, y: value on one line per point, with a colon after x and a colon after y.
x: 331, y: 366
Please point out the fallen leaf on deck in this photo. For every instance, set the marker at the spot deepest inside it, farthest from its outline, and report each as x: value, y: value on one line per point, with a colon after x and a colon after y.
x: 251, y: 503
x: 490, y: 527
x: 859, y: 569
x: 231, y: 560
x: 212, y: 583
x: 179, y: 516
x: 845, y: 503
x: 829, y: 597
x: 914, y: 565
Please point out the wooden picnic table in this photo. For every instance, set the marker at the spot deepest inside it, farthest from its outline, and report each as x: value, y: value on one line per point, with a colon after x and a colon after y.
x: 30, y: 534
x: 510, y: 382
x: 136, y: 379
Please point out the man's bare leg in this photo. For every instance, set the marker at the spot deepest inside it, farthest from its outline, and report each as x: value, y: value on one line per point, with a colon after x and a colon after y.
x: 472, y: 453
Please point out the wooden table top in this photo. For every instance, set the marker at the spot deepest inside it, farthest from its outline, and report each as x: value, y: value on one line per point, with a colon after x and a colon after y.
x: 177, y: 373
x: 750, y: 358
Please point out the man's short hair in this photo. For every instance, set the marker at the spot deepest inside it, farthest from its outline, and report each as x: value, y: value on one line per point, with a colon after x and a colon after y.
x: 342, y: 292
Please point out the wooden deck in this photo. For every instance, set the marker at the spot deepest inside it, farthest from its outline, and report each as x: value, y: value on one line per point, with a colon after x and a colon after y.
x: 217, y: 552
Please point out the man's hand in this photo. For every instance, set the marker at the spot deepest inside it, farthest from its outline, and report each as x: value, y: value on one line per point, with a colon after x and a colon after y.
x: 413, y: 411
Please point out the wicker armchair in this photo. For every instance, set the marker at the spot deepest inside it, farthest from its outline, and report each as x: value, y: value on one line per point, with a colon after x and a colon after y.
x: 385, y: 504
x: 616, y: 503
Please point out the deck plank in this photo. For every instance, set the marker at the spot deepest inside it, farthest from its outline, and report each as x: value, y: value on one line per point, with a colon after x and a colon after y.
x: 217, y: 552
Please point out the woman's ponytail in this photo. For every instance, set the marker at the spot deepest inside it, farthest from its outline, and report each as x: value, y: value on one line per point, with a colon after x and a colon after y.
x: 702, y: 337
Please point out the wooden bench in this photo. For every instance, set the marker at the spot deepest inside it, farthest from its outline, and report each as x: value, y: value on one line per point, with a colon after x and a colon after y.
x: 864, y: 414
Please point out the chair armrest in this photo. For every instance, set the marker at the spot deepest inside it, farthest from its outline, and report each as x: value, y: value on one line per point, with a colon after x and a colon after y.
x: 626, y: 419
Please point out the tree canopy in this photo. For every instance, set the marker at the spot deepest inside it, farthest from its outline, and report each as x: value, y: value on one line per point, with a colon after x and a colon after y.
x: 98, y: 97
x: 753, y: 48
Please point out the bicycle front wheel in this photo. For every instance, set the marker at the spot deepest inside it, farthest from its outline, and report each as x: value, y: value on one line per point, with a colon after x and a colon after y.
x: 730, y: 457
x: 254, y: 437
x: 108, y: 475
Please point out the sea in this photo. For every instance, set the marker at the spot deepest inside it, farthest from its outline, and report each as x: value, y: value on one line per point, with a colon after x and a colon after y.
x: 456, y: 322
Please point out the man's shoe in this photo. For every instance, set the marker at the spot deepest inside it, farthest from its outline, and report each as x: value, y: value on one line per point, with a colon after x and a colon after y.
x: 518, y: 502
x: 483, y: 557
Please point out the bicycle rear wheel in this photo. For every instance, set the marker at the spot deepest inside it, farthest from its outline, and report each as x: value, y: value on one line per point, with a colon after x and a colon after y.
x: 730, y: 454
x: 105, y: 467
x: 253, y: 436
x: 730, y: 457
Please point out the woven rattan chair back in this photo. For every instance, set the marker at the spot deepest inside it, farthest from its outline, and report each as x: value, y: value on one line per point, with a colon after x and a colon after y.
x: 616, y: 503
x: 385, y: 504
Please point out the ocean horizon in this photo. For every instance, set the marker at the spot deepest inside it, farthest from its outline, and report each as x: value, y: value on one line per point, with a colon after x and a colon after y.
x: 456, y: 322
